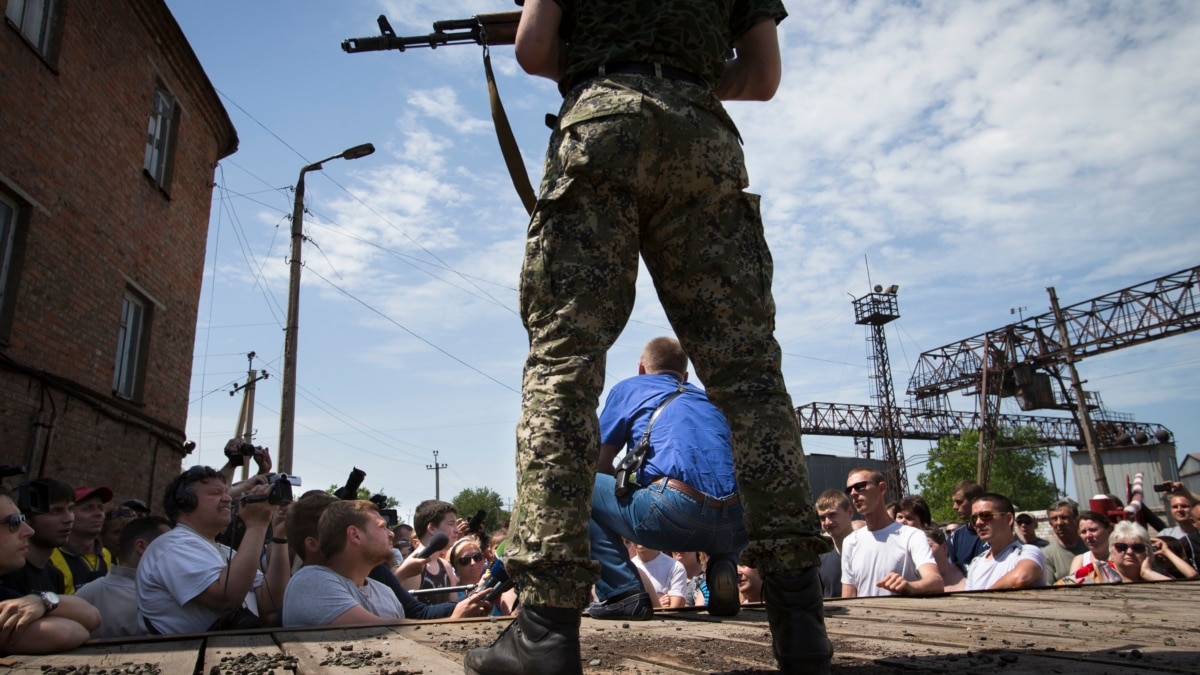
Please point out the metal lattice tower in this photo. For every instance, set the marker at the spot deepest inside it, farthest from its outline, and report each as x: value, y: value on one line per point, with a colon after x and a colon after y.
x: 876, y: 310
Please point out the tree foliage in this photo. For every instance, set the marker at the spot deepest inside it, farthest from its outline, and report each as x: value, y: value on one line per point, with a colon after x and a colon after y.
x: 1016, y: 471
x: 364, y: 493
x: 471, y: 500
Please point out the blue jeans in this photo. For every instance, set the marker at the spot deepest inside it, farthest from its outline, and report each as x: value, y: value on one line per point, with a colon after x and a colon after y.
x: 656, y: 517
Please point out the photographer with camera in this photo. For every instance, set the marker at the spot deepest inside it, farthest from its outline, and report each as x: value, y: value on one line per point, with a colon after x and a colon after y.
x: 188, y: 583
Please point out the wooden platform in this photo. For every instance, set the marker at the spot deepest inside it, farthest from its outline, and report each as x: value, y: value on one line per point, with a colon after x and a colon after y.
x: 1143, y: 628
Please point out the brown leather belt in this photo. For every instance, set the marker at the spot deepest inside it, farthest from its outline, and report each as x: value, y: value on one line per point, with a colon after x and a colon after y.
x: 680, y: 486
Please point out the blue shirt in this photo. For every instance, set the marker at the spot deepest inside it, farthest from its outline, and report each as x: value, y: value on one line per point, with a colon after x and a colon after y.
x: 690, y: 440
x: 963, y: 545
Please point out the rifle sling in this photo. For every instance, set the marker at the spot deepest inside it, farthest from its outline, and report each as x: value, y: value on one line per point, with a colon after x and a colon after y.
x: 508, y: 144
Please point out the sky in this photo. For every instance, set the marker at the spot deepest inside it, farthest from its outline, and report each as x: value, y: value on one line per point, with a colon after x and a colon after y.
x: 973, y: 153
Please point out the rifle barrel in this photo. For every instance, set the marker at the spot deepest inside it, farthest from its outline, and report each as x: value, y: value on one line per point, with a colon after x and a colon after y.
x: 500, y: 27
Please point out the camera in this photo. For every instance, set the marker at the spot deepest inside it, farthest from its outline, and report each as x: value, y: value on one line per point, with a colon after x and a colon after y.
x: 390, y: 515
x: 475, y: 524
x: 353, y: 482
x: 236, y: 448
x: 1162, y: 487
x: 281, y: 490
x: 32, y: 497
x: 8, y: 470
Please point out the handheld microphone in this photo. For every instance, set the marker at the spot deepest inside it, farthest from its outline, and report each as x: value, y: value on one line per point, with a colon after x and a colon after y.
x: 498, y: 582
x: 436, y: 543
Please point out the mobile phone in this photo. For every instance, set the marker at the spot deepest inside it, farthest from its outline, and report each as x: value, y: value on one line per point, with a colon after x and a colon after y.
x: 1162, y: 487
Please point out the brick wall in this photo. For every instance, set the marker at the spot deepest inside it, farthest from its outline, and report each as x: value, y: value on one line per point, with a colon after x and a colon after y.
x: 73, y: 146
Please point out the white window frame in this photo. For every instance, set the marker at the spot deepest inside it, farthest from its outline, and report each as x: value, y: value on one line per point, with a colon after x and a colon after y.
x: 131, y: 343
x: 160, y: 136
x: 36, y: 21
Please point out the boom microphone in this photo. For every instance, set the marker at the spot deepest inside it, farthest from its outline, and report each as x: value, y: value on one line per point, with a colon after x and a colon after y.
x: 436, y: 543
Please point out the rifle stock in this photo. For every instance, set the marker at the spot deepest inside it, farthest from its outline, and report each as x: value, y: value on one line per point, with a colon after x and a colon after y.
x: 498, y: 28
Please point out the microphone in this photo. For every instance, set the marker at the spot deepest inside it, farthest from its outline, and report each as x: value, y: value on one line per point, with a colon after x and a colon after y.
x: 436, y: 543
x: 497, y: 582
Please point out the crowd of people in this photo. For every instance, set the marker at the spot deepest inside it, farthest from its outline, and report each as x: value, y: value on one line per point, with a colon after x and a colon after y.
x: 222, y: 556
x: 882, y: 548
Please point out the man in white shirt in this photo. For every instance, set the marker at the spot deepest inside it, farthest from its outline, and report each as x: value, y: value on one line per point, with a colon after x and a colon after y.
x: 187, y: 582
x: 115, y: 594
x: 666, y: 574
x: 333, y: 589
x: 1006, y: 562
x: 885, y: 557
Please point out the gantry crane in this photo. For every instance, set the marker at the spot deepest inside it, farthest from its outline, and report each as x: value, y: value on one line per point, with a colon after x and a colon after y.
x: 1021, y: 359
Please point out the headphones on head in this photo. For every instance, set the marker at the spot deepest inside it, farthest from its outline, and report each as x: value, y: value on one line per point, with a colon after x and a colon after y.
x: 182, y: 498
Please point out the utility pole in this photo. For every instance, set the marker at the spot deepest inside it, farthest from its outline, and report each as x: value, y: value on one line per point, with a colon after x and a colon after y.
x: 437, y: 475
x: 1085, y: 418
x: 245, y: 425
x: 287, y: 407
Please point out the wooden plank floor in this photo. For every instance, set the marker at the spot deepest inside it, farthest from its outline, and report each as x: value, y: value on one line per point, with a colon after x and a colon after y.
x: 1143, y: 628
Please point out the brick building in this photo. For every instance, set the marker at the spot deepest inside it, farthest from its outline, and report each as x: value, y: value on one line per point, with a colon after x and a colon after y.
x: 110, y: 132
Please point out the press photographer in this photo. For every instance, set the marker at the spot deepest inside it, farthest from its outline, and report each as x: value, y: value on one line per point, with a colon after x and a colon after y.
x: 188, y: 583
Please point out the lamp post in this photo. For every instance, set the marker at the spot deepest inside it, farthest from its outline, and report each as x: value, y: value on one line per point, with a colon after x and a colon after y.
x: 287, y: 408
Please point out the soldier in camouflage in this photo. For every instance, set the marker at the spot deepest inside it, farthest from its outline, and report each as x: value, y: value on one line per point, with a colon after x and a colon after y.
x: 644, y: 159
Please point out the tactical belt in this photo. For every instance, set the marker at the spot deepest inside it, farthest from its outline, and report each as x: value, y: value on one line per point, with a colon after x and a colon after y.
x: 659, y: 70
x: 700, y: 497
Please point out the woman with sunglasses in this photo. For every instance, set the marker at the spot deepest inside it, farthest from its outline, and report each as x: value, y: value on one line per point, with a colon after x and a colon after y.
x: 468, y: 561
x: 1131, y: 554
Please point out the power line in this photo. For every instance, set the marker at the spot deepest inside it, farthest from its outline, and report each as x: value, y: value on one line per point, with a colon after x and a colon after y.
x: 409, y: 330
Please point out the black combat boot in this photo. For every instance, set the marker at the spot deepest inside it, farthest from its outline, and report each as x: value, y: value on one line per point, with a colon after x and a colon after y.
x: 794, y: 612
x: 540, y: 640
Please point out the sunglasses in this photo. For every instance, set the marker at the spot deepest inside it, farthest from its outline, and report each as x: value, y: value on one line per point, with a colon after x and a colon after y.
x: 14, y: 521
x: 984, y: 517
x: 468, y: 559
x: 1137, y: 548
x: 858, y: 487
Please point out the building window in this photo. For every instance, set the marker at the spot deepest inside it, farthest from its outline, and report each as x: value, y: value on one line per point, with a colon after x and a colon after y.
x: 37, y: 20
x: 160, y: 137
x: 10, y: 256
x: 131, y: 347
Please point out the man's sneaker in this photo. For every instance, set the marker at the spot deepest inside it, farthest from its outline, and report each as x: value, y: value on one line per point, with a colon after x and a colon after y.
x: 722, y: 579
x: 634, y: 607
x: 540, y: 640
x: 795, y: 614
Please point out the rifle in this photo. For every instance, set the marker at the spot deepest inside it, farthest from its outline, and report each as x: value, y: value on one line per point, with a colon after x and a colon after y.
x: 499, y: 28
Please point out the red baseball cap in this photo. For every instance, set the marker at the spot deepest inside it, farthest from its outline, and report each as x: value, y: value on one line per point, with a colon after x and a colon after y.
x: 82, y: 493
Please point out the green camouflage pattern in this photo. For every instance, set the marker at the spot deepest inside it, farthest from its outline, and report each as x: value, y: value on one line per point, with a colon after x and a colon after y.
x: 695, y: 35
x: 654, y: 167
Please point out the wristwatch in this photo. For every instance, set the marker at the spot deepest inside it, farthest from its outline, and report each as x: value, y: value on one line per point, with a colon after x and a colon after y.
x: 49, y: 601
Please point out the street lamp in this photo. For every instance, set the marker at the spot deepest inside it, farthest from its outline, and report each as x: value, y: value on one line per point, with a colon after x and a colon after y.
x: 287, y: 409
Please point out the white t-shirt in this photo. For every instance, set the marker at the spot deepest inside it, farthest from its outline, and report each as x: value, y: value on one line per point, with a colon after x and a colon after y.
x: 868, y: 556
x: 984, y: 571
x: 666, y: 573
x: 317, y: 595
x: 177, y: 567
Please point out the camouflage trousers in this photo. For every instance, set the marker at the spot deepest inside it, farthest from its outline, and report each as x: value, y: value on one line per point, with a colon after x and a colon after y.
x: 649, y: 166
